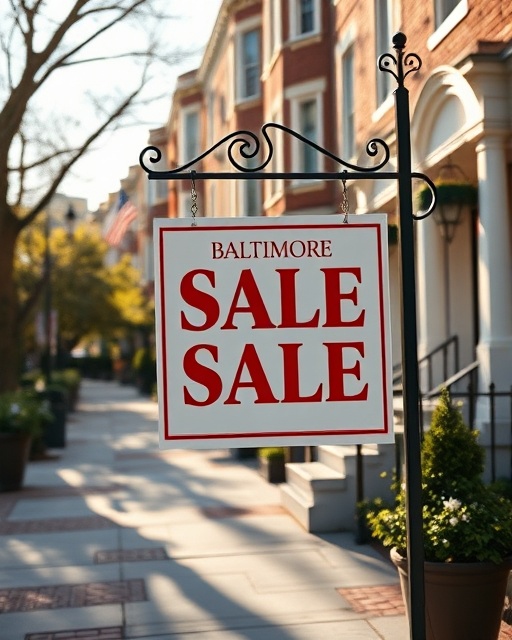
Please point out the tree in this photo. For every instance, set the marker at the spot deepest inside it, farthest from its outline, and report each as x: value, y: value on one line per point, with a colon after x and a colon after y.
x: 40, y: 144
x: 91, y: 299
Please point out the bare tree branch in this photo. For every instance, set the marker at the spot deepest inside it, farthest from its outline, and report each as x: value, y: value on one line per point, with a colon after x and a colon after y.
x: 114, y: 115
x: 73, y: 18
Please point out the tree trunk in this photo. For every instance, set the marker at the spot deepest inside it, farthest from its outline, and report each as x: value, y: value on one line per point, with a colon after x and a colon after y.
x: 9, y: 329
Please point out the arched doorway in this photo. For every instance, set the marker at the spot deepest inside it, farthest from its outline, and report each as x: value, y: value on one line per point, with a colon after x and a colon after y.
x: 445, y: 125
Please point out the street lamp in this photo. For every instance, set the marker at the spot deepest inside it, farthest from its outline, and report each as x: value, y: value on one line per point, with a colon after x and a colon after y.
x: 50, y: 318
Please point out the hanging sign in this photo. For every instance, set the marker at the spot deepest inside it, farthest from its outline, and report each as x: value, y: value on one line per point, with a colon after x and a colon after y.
x: 273, y: 331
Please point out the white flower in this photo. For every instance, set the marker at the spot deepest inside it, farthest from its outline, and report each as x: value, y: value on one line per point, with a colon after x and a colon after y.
x: 454, y: 521
x: 452, y: 504
x: 465, y: 517
x: 15, y: 409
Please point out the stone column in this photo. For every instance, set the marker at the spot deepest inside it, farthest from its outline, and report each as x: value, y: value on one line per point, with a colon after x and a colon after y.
x: 431, y: 314
x: 494, y: 350
x: 494, y: 266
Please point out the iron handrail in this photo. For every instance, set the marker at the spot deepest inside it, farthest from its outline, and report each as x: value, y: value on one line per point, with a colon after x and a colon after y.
x: 427, y: 358
x: 457, y: 377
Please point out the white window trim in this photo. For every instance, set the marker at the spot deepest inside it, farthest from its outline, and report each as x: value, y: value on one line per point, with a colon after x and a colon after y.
x: 251, y: 24
x: 383, y: 108
x: 391, y: 29
x: 294, y: 91
x: 294, y: 35
x: 347, y: 40
x: 452, y: 20
x: 185, y: 112
x: 297, y: 94
x: 273, y: 19
x: 269, y: 196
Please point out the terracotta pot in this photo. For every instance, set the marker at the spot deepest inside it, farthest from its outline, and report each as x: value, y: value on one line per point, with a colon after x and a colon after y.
x: 14, y: 452
x: 462, y: 599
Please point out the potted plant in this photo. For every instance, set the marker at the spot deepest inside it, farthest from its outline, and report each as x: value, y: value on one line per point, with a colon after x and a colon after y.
x: 21, y: 418
x: 449, y: 192
x: 467, y: 531
x: 272, y: 461
x: 392, y: 234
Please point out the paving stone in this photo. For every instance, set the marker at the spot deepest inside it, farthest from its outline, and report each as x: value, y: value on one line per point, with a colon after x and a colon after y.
x: 105, y: 633
x: 71, y: 596
x: 236, y: 512
x: 49, y: 525
x: 130, y: 555
x: 384, y: 600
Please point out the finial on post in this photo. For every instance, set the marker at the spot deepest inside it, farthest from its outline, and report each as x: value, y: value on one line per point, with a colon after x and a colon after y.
x: 399, y: 40
x: 396, y: 66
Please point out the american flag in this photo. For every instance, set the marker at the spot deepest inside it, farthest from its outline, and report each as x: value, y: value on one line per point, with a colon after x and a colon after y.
x: 119, y: 219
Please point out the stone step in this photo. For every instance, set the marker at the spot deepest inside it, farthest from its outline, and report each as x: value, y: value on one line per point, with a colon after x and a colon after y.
x: 322, y: 495
x: 315, y: 495
x: 311, y: 477
x: 343, y: 458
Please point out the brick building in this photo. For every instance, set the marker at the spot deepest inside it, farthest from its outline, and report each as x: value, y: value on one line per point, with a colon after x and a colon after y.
x: 312, y: 65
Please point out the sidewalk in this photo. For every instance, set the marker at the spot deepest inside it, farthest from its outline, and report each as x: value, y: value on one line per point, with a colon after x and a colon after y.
x: 113, y: 539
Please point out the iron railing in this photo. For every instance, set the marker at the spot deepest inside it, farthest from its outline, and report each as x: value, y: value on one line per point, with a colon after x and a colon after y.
x: 469, y: 399
x: 499, y: 430
x: 447, y: 351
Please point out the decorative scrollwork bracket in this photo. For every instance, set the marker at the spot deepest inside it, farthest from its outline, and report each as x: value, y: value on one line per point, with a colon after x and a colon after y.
x: 250, y: 155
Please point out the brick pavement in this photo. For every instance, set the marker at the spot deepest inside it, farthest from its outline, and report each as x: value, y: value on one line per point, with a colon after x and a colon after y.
x: 65, y: 596
x: 105, y: 633
x: 384, y: 600
x: 370, y: 601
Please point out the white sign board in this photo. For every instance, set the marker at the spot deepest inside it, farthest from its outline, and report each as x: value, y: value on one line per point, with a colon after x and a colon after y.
x: 273, y: 331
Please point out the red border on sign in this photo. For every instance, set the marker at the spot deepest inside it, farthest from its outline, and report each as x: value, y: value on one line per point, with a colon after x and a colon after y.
x: 271, y: 434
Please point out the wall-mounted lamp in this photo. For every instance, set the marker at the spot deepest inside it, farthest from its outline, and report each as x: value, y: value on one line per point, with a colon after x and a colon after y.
x: 455, y: 196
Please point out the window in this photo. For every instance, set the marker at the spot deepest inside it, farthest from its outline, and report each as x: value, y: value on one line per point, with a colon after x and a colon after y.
x: 448, y: 14
x: 307, y: 16
x: 306, y: 108
x: 308, y: 122
x: 383, y: 35
x: 443, y: 8
x: 250, y: 64
x: 304, y: 18
x: 347, y: 79
x: 190, y: 135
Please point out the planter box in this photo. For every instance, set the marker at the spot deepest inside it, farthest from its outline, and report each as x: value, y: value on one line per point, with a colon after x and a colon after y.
x: 273, y: 470
x: 14, y: 452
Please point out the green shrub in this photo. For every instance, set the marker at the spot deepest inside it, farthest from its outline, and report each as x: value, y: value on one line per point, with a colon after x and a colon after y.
x: 271, y: 453
x: 23, y: 412
x: 464, y: 520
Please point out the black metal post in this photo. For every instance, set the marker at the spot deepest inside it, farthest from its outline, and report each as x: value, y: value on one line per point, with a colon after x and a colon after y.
x: 412, y: 439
